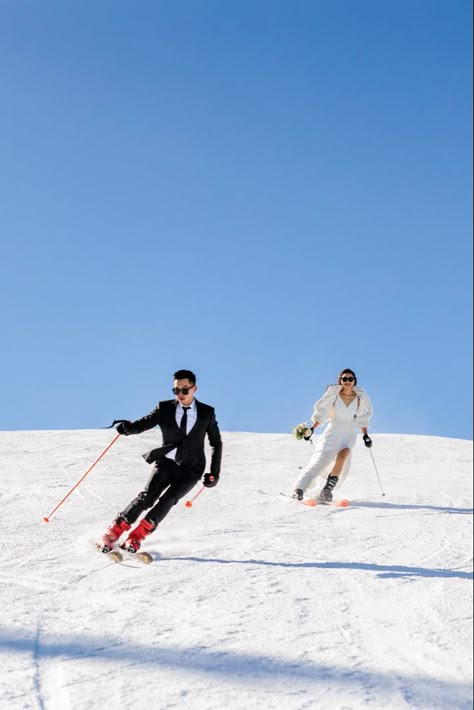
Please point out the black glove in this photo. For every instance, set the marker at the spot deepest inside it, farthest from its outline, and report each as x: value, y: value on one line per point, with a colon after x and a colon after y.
x: 210, y: 480
x: 124, y: 428
x: 367, y: 440
x: 308, y: 434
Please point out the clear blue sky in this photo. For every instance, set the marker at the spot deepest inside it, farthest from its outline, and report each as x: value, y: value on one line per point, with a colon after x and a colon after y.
x: 263, y: 191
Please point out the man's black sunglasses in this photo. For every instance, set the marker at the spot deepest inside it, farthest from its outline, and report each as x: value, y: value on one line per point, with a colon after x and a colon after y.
x: 182, y: 390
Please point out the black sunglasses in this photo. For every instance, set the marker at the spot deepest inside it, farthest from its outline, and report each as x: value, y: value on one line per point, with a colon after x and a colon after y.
x: 347, y: 379
x: 182, y: 390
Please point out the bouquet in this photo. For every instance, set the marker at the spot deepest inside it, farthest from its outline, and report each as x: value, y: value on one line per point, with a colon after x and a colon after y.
x: 302, y: 430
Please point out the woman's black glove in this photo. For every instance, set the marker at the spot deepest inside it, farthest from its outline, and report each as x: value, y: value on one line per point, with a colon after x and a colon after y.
x: 367, y: 440
x: 308, y: 434
x: 210, y: 480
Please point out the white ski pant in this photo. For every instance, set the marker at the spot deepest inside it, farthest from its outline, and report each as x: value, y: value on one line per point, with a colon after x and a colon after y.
x: 320, y: 464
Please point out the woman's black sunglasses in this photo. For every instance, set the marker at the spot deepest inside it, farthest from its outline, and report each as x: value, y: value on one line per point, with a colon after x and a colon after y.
x: 347, y: 379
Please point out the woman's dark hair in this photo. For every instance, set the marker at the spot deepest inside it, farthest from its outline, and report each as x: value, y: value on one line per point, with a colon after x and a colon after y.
x: 347, y: 371
x: 185, y: 375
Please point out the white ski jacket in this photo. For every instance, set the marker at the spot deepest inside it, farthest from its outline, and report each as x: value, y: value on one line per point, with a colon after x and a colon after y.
x: 323, y: 407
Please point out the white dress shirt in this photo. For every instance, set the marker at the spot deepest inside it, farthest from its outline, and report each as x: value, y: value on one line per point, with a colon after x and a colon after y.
x: 190, y: 422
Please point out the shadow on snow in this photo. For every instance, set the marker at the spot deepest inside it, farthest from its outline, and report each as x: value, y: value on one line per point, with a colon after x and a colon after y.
x: 409, y: 506
x: 232, y: 666
x: 383, y: 571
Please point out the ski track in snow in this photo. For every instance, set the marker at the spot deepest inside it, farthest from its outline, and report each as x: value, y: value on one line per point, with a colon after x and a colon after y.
x: 251, y: 599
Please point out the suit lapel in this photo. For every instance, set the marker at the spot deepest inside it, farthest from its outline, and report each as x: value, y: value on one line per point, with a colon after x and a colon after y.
x: 172, y: 414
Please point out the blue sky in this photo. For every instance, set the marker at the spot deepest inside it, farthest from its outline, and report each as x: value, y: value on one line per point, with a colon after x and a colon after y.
x: 264, y: 192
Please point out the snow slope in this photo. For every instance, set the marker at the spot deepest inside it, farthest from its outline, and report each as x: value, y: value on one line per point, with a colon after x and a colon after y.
x: 253, y: 600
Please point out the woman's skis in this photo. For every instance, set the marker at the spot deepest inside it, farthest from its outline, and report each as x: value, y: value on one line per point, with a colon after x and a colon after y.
x: 312, y: 502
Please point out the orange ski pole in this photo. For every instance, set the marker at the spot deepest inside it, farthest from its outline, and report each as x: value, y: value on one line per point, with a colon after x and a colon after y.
x: 189, y: 503
x: 47, y: 519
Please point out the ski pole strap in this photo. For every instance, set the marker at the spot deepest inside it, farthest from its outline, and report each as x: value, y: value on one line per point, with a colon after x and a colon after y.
x: 116, y: 421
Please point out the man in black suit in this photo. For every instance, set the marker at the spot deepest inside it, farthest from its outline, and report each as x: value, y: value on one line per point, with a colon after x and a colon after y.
x: 177, y: 465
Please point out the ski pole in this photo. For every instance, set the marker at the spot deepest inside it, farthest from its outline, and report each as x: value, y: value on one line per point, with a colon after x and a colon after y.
x: 47, y: 519
x: 189, y: 503
x: 373, y: 461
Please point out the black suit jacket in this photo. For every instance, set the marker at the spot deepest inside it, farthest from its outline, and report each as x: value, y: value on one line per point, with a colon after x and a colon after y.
x: 191, y: 445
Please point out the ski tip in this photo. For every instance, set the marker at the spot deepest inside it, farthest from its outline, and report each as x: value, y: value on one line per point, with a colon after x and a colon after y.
x: 311, y: 502
x: 115, y: 555
x: 344, y: 503
x: 145, y: 557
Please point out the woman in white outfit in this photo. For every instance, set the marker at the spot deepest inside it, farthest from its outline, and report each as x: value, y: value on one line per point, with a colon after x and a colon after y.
x: 348, y: 408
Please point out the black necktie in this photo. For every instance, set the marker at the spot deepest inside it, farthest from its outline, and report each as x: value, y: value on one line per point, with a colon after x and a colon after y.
x: 182, y: 425
x: 184, y: 420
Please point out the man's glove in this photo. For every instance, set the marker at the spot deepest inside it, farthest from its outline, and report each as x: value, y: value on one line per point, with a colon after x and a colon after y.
x: 367, y: 440
x: 210, y: 480
x: 124, y: 428
x: 308, y: 434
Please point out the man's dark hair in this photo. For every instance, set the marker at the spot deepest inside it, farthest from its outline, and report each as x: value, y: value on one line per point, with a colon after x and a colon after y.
x: 185, y: 375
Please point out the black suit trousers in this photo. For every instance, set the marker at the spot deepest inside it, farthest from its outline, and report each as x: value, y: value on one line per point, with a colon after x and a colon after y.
x: 167, y: 483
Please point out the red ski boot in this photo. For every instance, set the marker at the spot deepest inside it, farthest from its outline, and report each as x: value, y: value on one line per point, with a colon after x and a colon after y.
x: 135, y: 538
x: 114, y: 532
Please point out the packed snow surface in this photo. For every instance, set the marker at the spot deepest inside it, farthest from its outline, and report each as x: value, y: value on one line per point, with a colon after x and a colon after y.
x: 252, y: 600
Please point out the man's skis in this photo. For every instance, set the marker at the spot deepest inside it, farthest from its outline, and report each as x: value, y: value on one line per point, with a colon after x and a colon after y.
x: 113, y: 555
x: 312, y: 502
x: 118, y: 555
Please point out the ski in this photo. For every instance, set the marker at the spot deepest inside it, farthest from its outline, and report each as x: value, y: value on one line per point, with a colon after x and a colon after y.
x: 144, y: 557
x: 114, y: 555
x: 118, y: 555
x: 312, y: 502
x: 341, y: 503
